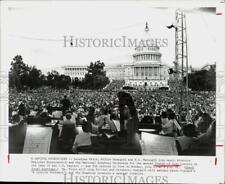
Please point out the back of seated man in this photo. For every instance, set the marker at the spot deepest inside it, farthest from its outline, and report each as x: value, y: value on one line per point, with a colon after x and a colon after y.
x: 203, y: 123
x: 189, y: 136
x: 68, y: 132
x: 206, y: 142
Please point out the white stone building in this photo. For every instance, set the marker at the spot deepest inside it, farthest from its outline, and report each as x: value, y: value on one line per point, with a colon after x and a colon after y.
x: 75, y: 71
x: 115, y: 72
x: 145, y: 71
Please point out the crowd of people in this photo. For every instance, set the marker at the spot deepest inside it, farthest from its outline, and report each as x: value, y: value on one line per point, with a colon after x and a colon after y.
x: 93, y: 110
x: 114, y: 85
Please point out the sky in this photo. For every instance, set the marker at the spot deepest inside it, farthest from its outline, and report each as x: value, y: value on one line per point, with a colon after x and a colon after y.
x: 35, y: 31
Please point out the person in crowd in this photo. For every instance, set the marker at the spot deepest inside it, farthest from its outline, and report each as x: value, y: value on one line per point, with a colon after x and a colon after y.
x: 91, y: 115
x: 148, y: 104
x: 22, y: 110
x: 65, y: 102
x: 83, y: 139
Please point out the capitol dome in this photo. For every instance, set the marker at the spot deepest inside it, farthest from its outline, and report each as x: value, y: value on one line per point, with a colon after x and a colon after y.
x: 146, y: 53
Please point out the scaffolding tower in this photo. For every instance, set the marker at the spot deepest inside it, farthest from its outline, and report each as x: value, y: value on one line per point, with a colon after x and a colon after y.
x: 181, y: 61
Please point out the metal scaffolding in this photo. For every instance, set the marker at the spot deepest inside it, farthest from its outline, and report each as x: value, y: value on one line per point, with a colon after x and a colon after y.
x: 181, y: 60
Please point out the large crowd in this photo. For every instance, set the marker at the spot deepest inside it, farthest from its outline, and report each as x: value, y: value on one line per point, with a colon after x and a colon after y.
x: 114, y: 85
x: 150, y: 103
x: 161, y: 107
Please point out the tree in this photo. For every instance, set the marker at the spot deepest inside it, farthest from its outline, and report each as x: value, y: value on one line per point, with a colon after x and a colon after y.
x: 22, y: 76
x: 76, y: 83
x: 203, y: 80
x: 19, y: 73
x: 96, y: 76
x: 52, y: 77
x: 34, y: 79
x: 55, y: 80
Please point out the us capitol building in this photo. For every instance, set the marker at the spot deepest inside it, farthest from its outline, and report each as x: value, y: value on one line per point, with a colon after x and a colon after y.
x: 146, y: 70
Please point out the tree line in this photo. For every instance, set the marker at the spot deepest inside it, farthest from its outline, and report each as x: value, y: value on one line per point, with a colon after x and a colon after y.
x: 24, y: 77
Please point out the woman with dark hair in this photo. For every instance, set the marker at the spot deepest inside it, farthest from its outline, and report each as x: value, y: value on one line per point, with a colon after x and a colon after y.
x: 168, y: 126
x: 185, y: 142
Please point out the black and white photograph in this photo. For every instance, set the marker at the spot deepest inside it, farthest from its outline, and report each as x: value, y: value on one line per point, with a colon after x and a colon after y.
x: 111, y: 79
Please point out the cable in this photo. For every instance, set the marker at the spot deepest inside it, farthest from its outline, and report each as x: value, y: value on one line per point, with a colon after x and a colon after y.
x: 60, y: 40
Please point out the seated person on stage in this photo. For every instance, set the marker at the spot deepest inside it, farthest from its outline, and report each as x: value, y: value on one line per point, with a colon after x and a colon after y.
x: 186, y: 141
x: 68, y: 132
x: 57, y: 114
x: 203, y: 123
x: 33, y: 111
x: 167, y: 126
x: 183, y: 120
x: 206, y: 142
x: 91, y: 114
x: 40, y: 118
x: 100, y: 120
x: 91, y: 120
x: 83, y: 139
x: 79, y: 117
x: 209, y: 136
x: 108, y: 122
x: 114, y: 117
